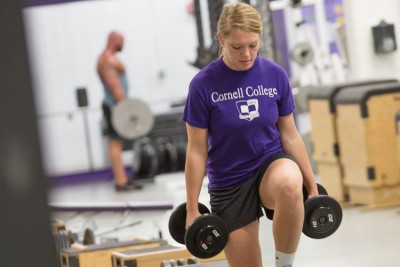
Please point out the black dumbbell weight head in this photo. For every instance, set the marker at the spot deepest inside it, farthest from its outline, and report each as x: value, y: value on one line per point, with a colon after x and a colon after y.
x: 177, y: 222
x: 207, y: 236
x: 322, y: 216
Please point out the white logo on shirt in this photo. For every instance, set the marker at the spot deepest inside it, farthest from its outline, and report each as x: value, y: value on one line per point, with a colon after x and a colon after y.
x: 248, y: 109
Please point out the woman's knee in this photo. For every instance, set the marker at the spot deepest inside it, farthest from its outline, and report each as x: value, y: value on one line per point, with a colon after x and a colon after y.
x: 290, y: 191
x: 282, y: 181
x: 291, y: 184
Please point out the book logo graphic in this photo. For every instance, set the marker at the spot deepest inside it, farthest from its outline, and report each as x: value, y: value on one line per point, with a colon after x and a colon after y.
x: 248, y: 109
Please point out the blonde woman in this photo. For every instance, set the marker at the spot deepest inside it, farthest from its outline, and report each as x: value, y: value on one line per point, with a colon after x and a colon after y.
x: 241, y: 132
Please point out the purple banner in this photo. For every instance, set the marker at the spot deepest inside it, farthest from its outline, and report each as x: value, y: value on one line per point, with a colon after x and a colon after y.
x: 334, y: 15
x: 280, y: 38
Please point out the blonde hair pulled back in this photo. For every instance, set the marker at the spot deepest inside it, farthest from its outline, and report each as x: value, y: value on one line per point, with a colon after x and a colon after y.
x: 239, y: 16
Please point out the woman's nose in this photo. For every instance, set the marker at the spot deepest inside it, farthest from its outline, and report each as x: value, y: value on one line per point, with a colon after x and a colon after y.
x: 245, y: 51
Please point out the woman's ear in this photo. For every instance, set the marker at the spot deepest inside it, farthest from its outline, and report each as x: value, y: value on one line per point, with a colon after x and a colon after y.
x: 220, y: 39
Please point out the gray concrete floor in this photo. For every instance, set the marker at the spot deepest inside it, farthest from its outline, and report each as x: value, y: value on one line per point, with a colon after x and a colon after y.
x: 365, y: 238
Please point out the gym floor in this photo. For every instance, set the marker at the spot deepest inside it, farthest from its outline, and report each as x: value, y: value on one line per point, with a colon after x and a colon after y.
x: 366, y: 237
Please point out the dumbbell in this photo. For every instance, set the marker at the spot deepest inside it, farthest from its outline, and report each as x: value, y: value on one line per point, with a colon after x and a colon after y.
x: 168, y: 263
x: 180, y: 262
x: 205, y: 237
x: 193, y: 260
x: 322, y: 214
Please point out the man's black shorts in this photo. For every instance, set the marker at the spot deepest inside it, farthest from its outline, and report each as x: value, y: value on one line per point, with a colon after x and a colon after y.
x: 107, y: 126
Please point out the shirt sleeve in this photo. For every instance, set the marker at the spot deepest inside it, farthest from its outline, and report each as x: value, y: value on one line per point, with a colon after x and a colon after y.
x: 286, y: 104
x: 196, y: 112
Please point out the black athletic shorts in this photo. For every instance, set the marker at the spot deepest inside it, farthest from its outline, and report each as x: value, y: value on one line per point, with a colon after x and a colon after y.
x: 107, y: 126
x: 241, y: 205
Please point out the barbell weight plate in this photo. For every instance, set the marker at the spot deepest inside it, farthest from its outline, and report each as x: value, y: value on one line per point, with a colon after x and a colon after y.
x: 168, y: 155
x: 171, y: 156
x: 162, y: 155
x: 153, y: 168
x: 207, y: 236
x: 137, y: 164
x: 177, y: 222
x: 145, y: 159
x: 322, y: 216
x: 132, y: 118
x: 179, y: 143
x: 302, y: 53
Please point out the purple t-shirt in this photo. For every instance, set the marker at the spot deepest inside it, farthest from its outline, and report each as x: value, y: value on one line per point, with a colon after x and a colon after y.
x: 240, y: 109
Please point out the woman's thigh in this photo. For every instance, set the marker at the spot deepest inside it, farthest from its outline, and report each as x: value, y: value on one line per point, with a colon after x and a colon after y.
x: 243, y: 247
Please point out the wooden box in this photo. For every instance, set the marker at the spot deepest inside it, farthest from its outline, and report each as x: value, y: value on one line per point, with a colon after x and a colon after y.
x: 153, y: 257
x: 322, y: 111
x: 398, y: 136
x: 331, y: 177
x: 367, y: 135
x: 375, y: 196
x: 100, y: 255
x: 222, y: 263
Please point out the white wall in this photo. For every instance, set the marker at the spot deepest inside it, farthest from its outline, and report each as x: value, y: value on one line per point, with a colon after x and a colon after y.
x: 65, y: 40
x: 361, y: 16
x: 64, y: 43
